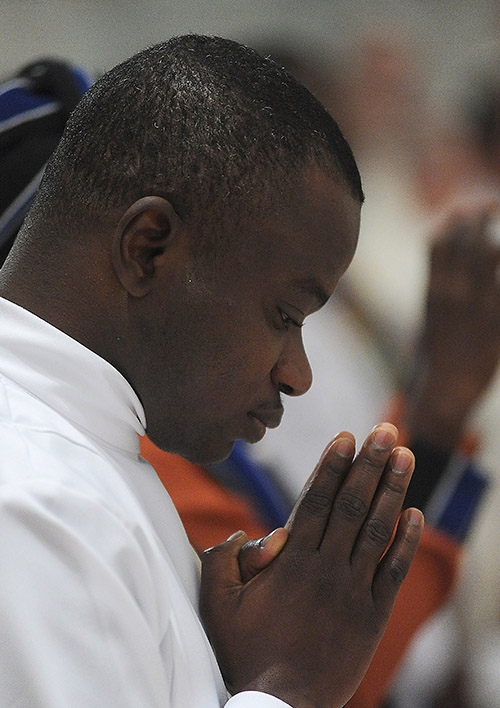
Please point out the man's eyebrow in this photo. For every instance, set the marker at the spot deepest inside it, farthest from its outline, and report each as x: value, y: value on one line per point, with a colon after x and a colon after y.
x: 310, y: 286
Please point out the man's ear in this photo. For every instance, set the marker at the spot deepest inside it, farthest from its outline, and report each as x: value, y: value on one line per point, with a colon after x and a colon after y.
x: 143, y: 236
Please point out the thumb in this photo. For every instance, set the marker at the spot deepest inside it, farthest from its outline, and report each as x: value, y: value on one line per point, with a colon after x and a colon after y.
x: 256, y: 555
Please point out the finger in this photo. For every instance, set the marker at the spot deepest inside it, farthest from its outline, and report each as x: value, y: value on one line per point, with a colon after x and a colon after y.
x: 220, y: 570
x: 463, y: 208
x: 395, y: 564
x: 488, y: 249
x: 467, y: 239
x: 256, y: 555
x: 220, y: 581
x: 378, y: 529
x: 354, y: 499
x: 311, y: 513
x: 463, y: 254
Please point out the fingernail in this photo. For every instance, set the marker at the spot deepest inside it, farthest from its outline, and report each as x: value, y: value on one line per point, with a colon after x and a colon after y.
x: 265, y: 540
x: 235, y: 535
x: 344, y: 447
x: 415, y: 517
x: 401, y: 461
x: 384, y: 436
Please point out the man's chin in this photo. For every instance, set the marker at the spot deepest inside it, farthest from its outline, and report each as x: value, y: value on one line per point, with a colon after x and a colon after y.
x: 207, y: 454
x: 212, y: 455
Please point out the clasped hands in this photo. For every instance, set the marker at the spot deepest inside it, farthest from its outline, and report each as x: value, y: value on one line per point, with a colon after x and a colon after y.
x: 299, y: 614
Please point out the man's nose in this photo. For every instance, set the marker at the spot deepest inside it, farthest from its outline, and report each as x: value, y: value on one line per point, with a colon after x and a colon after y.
x: 292, y: 372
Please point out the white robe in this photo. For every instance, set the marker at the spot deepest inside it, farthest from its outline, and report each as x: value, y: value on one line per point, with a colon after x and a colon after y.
x: 98, y: 582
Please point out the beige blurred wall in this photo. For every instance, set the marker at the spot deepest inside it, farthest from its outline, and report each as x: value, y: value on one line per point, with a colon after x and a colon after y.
x: 99, y: 33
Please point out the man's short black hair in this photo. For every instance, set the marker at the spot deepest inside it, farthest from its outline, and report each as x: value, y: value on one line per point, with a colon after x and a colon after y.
x: 203, y: 121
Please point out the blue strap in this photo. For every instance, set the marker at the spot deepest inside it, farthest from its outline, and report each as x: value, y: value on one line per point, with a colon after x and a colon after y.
x: 19, y: 104
x: 456, y: 501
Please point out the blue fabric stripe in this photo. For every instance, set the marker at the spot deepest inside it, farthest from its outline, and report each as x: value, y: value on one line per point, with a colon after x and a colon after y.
x: 18, y: 102
x: 271, y: 503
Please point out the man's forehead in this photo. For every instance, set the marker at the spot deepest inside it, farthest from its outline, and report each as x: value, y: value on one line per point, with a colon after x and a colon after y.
x: 307, y: 238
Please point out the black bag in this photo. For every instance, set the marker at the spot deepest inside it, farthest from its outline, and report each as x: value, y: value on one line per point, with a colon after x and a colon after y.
x: 34, y: 107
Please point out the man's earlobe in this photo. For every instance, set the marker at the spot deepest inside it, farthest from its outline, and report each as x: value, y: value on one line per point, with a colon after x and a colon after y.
x: 145, y: 233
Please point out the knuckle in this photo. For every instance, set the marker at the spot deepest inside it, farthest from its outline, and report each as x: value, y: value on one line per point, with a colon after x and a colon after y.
x: 334, y: 470
x: 397, y: 571
x: 395, y: 485
x: 316, y: 502
x: 377, y: 532
x: 374, y: 461
x: 351, y: 505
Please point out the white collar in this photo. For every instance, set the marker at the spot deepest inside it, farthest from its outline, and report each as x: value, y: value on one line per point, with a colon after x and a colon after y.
x: 69, y: 378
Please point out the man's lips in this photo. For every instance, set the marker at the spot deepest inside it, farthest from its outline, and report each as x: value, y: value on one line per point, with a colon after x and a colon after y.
x: 266, y: 418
